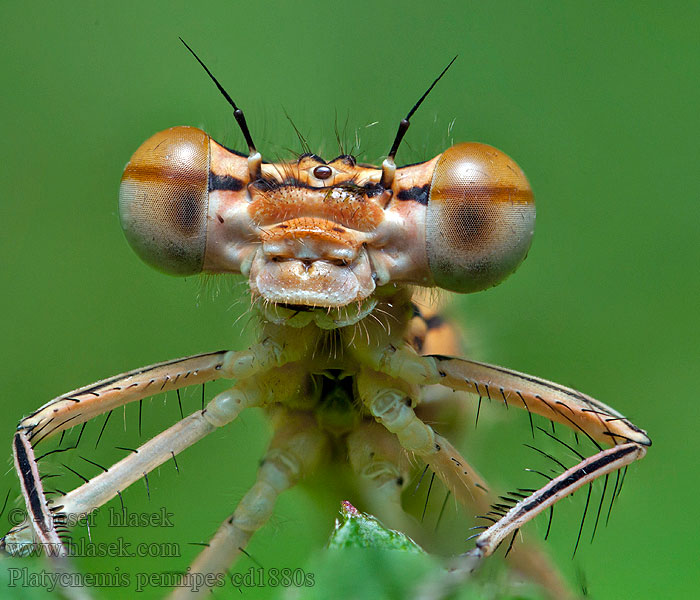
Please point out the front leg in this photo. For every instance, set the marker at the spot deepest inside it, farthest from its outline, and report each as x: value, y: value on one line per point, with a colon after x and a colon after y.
x: 42, y: 515
x: 534, y: 394
x: 87, y: 402
x: 390, y: 399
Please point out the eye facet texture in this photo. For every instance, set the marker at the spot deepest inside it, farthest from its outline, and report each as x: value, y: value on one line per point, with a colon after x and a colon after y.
x: 480, y: 218
x: 163, y: 200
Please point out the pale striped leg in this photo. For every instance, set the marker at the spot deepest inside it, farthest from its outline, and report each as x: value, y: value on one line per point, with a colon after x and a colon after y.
x: 539, y: 396
x: 391, y: 403
x: 523, y: 556
x: 551, y: 400
x: 472, y: 492
x: 580, y: 412
x: 602, y: 463
x: 87, y: 402
x: 393, y: 408
x: 43, y: 519
x: 221, y: 410
x: 297, y: 448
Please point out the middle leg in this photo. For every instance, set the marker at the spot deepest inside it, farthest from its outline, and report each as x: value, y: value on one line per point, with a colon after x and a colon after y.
x: 297, y: 448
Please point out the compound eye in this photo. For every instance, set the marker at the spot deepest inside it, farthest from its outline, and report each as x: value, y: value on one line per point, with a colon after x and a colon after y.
x: 164, y: 197
x: 480, y: 218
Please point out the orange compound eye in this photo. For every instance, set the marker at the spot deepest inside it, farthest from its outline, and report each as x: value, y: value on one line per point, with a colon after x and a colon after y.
x: 480, y: 218
x: 164, y: 197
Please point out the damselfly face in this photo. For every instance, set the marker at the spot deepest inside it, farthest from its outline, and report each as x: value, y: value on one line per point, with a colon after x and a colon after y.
x: 316, y: 234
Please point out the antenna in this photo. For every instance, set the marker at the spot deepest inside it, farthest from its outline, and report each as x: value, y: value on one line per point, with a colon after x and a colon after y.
x: 389, y: 166
x: 254, y: 157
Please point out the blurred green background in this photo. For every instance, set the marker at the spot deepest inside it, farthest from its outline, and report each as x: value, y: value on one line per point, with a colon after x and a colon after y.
x: 598, y: 102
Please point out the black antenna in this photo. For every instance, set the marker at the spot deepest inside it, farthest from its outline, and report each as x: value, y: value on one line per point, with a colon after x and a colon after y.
x: 237, y: 112
x: 388, y: 166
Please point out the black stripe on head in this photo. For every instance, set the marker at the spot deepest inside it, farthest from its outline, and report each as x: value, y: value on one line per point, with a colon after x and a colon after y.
x: 372, y: 190
x: 347, y: 159
x: 416, y: 193
x: 224, y: 182
x: 312, y: 156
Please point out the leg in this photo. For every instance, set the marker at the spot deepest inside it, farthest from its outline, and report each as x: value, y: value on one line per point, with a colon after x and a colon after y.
x: 527, y: 558
x: 296, y: 450
x: 473, y: 493
x: 585, y: 472
x: 39, y: 525
x: 90, y: 401
x: 87, y: 402
x: 391, y: 408
x: 551, y: 400
x: 597, y: 421
x: 391, y: 402
x: 44, y: 523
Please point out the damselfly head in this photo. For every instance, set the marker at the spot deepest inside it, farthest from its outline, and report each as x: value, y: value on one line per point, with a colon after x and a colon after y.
x: 311, y: 233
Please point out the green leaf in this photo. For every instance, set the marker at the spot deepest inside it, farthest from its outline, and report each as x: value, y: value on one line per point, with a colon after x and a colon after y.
x: 359, y: 530
x: 364, y: 559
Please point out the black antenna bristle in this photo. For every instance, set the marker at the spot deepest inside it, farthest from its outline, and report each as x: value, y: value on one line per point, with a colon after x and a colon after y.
x: 237, y: 112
